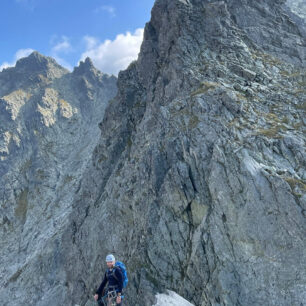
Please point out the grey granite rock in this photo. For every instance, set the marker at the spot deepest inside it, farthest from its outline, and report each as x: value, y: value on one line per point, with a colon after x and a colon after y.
x: 198, y: 178
x: 48, y: 130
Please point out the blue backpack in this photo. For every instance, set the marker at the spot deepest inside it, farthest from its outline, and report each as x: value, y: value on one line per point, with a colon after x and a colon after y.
x: 122, y: 267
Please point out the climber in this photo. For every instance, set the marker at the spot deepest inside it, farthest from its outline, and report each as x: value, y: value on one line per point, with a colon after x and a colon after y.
x: 114, y: 277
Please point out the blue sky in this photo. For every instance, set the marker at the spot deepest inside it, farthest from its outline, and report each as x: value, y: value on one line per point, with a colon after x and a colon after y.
x: 109, y: 31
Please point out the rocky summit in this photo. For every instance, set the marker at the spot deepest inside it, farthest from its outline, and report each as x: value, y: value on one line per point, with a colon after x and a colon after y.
x: 193, y: 174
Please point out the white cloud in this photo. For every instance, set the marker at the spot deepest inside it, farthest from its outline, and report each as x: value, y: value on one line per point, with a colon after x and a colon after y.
x: 91, y: 42
x: 4, y: 65
x: 19, y: 54
x: 63, y: 62
x: 23, y: 53
x: 63, y: 46
x: 60, y: 45
x: 106, y: 8
x: 111, y: 56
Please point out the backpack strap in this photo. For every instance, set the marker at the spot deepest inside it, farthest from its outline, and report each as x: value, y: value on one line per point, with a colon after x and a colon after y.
x: 112, y: 272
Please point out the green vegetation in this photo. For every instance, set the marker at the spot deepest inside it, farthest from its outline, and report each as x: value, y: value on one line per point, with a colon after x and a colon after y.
x: 241, y: 95
x: 129, y: 142
x: 193, y: 121
x: 205, y: 87
x: 270, y: 132
x: 302, y: 106
x: 267, y: 58
x: 68, y: 179
x: 295, y: 183
x: 22, y: 204
x: 102, y: 158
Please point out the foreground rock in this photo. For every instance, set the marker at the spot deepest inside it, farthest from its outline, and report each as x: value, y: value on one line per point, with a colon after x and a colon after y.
x: 170, y: 298
x: 198, y: 181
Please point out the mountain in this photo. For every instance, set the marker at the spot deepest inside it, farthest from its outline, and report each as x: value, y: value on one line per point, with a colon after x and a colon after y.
x: 197, y: 181
x: 48, y: 130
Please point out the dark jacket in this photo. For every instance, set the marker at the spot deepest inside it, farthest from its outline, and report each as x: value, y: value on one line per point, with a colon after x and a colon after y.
x: 114, y: 278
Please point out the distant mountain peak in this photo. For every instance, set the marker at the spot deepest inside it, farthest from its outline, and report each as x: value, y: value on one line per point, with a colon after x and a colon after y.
x: 37, y: 63
x: 88, y: 62
x: 85, y: 67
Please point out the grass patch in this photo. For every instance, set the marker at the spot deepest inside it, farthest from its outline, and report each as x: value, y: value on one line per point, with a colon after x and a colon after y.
x: 298, y: 125
x: 269, y: 59
x: 299, y: 91
x: 301, y: 106
x: 102, y: 158
x: 270, y: 132
x: 294, y: 182
x: 68, y: 179
x: 272, y: 117
x: 240, y: 95
x: 205, y: 87
x: 129, y: 142
x: 22, y: 205
x: 193, y: 122
x: 302, y: 83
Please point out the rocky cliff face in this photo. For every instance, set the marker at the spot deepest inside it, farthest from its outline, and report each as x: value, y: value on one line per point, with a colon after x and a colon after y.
x: 198, y: 179
x: 48, y: 129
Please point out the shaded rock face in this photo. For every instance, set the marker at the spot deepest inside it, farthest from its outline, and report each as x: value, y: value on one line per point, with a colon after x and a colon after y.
x: 48, y: 130
x: 198, y: 179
